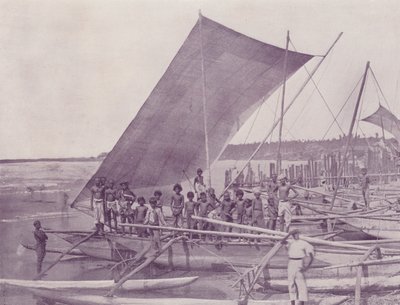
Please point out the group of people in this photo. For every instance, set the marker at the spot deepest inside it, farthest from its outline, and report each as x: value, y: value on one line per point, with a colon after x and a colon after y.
x: 112, y: 206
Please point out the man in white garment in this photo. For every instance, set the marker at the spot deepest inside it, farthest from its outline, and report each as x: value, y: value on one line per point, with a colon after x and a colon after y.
x: 301, y: 255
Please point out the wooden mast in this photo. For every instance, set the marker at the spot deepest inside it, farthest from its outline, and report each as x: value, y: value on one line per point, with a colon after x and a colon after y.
x: 286, y: 109
x: 279, y: 156
x: 203, y: 76
x: 349, y: 136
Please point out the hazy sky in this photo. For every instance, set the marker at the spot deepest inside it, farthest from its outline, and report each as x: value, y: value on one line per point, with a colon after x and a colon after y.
x: 73, y: 73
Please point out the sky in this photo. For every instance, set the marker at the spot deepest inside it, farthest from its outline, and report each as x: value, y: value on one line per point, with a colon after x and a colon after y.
x: 73, y: 73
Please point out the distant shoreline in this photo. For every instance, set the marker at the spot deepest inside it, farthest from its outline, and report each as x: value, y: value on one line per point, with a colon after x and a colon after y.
x: 5, y: 161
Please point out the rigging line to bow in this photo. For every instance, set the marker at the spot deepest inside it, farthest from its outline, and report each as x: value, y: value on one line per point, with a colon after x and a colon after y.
x: 320, y: 94
x: 341, y: 109
x: 379, y: 87
x: 312, y: 93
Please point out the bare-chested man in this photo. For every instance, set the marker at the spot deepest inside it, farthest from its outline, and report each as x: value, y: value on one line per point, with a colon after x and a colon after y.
x: 189, y: 210
x: 97, y: 204
x: 203, y: 208
x: 125, y: 196
x: 110, y: 194
x: 285, y: 206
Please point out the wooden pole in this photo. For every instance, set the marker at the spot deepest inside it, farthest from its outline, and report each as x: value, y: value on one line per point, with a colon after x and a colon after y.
x: 40, y: 275
x: 357, y: 298
x: 314, y: 241
x: 350, y: 133
x: 286, y: 110
x: 279, y: 156
x: 203, y: 77
x: 147, y: 262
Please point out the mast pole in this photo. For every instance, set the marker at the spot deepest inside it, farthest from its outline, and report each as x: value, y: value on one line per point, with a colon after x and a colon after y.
x: 279, y: 156
x: 349, y: 136
x: 203, y: 76
x: 286, y: 109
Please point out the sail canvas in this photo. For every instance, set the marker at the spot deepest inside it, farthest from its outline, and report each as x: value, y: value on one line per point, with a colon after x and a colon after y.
x: 166, y: 138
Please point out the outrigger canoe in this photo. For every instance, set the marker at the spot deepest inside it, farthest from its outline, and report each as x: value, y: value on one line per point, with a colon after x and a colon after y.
x: 131, y: 285
x: 101, y: 300
x: 342, y: 285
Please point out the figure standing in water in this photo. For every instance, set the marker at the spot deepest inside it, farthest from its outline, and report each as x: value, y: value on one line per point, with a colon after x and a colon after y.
x: 41, y: 239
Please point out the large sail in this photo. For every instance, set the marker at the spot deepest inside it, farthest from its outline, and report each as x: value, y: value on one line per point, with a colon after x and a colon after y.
x: 166, y: 137
x: 386, y: 120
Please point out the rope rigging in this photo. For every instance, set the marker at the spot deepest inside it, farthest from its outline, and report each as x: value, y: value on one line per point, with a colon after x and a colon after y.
x: 341, y: 109
x: 319, y: 92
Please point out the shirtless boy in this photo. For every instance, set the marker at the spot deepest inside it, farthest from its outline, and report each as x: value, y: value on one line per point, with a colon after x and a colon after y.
x: 189, y: 210
x: 177, y: 202
x: 125, y: 196
x: 203, y: 208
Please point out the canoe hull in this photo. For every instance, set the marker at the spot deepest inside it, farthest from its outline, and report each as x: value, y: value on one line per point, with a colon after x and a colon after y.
x: 131, y: 285
x: 100, y: 300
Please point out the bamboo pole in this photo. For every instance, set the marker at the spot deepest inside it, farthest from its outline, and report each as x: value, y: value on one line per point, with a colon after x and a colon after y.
x: 357, y: 298
x: 258, y: 270
x: 279, y: 156
x: 365, y: 263
x: 205, y: 232
x: 204, y: 99
x: 147, y: 262
x: 321, y: 193
x: 314, y: 241
x: 350, y: 133
x: 40, y: 275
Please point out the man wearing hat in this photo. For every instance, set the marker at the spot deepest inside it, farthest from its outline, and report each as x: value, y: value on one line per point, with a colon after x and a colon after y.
x: 41, y: 239
x: 301, y: 256
x: 285, y: 206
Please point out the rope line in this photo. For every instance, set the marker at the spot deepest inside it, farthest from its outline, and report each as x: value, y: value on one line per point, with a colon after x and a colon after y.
x: 320, y: 93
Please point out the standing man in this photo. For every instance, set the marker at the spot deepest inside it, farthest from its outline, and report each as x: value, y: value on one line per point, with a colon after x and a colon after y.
x: 364, y: 183
x: 111, y: 204
x: 126, y: 197
x: 199, y: 185
x: 285, y: 206
x: 41, y: 239
x: 272, y: 207
x: 301, y: 256
x: 97, y: 204
x: 154, y: 217
x: 258, y: 210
